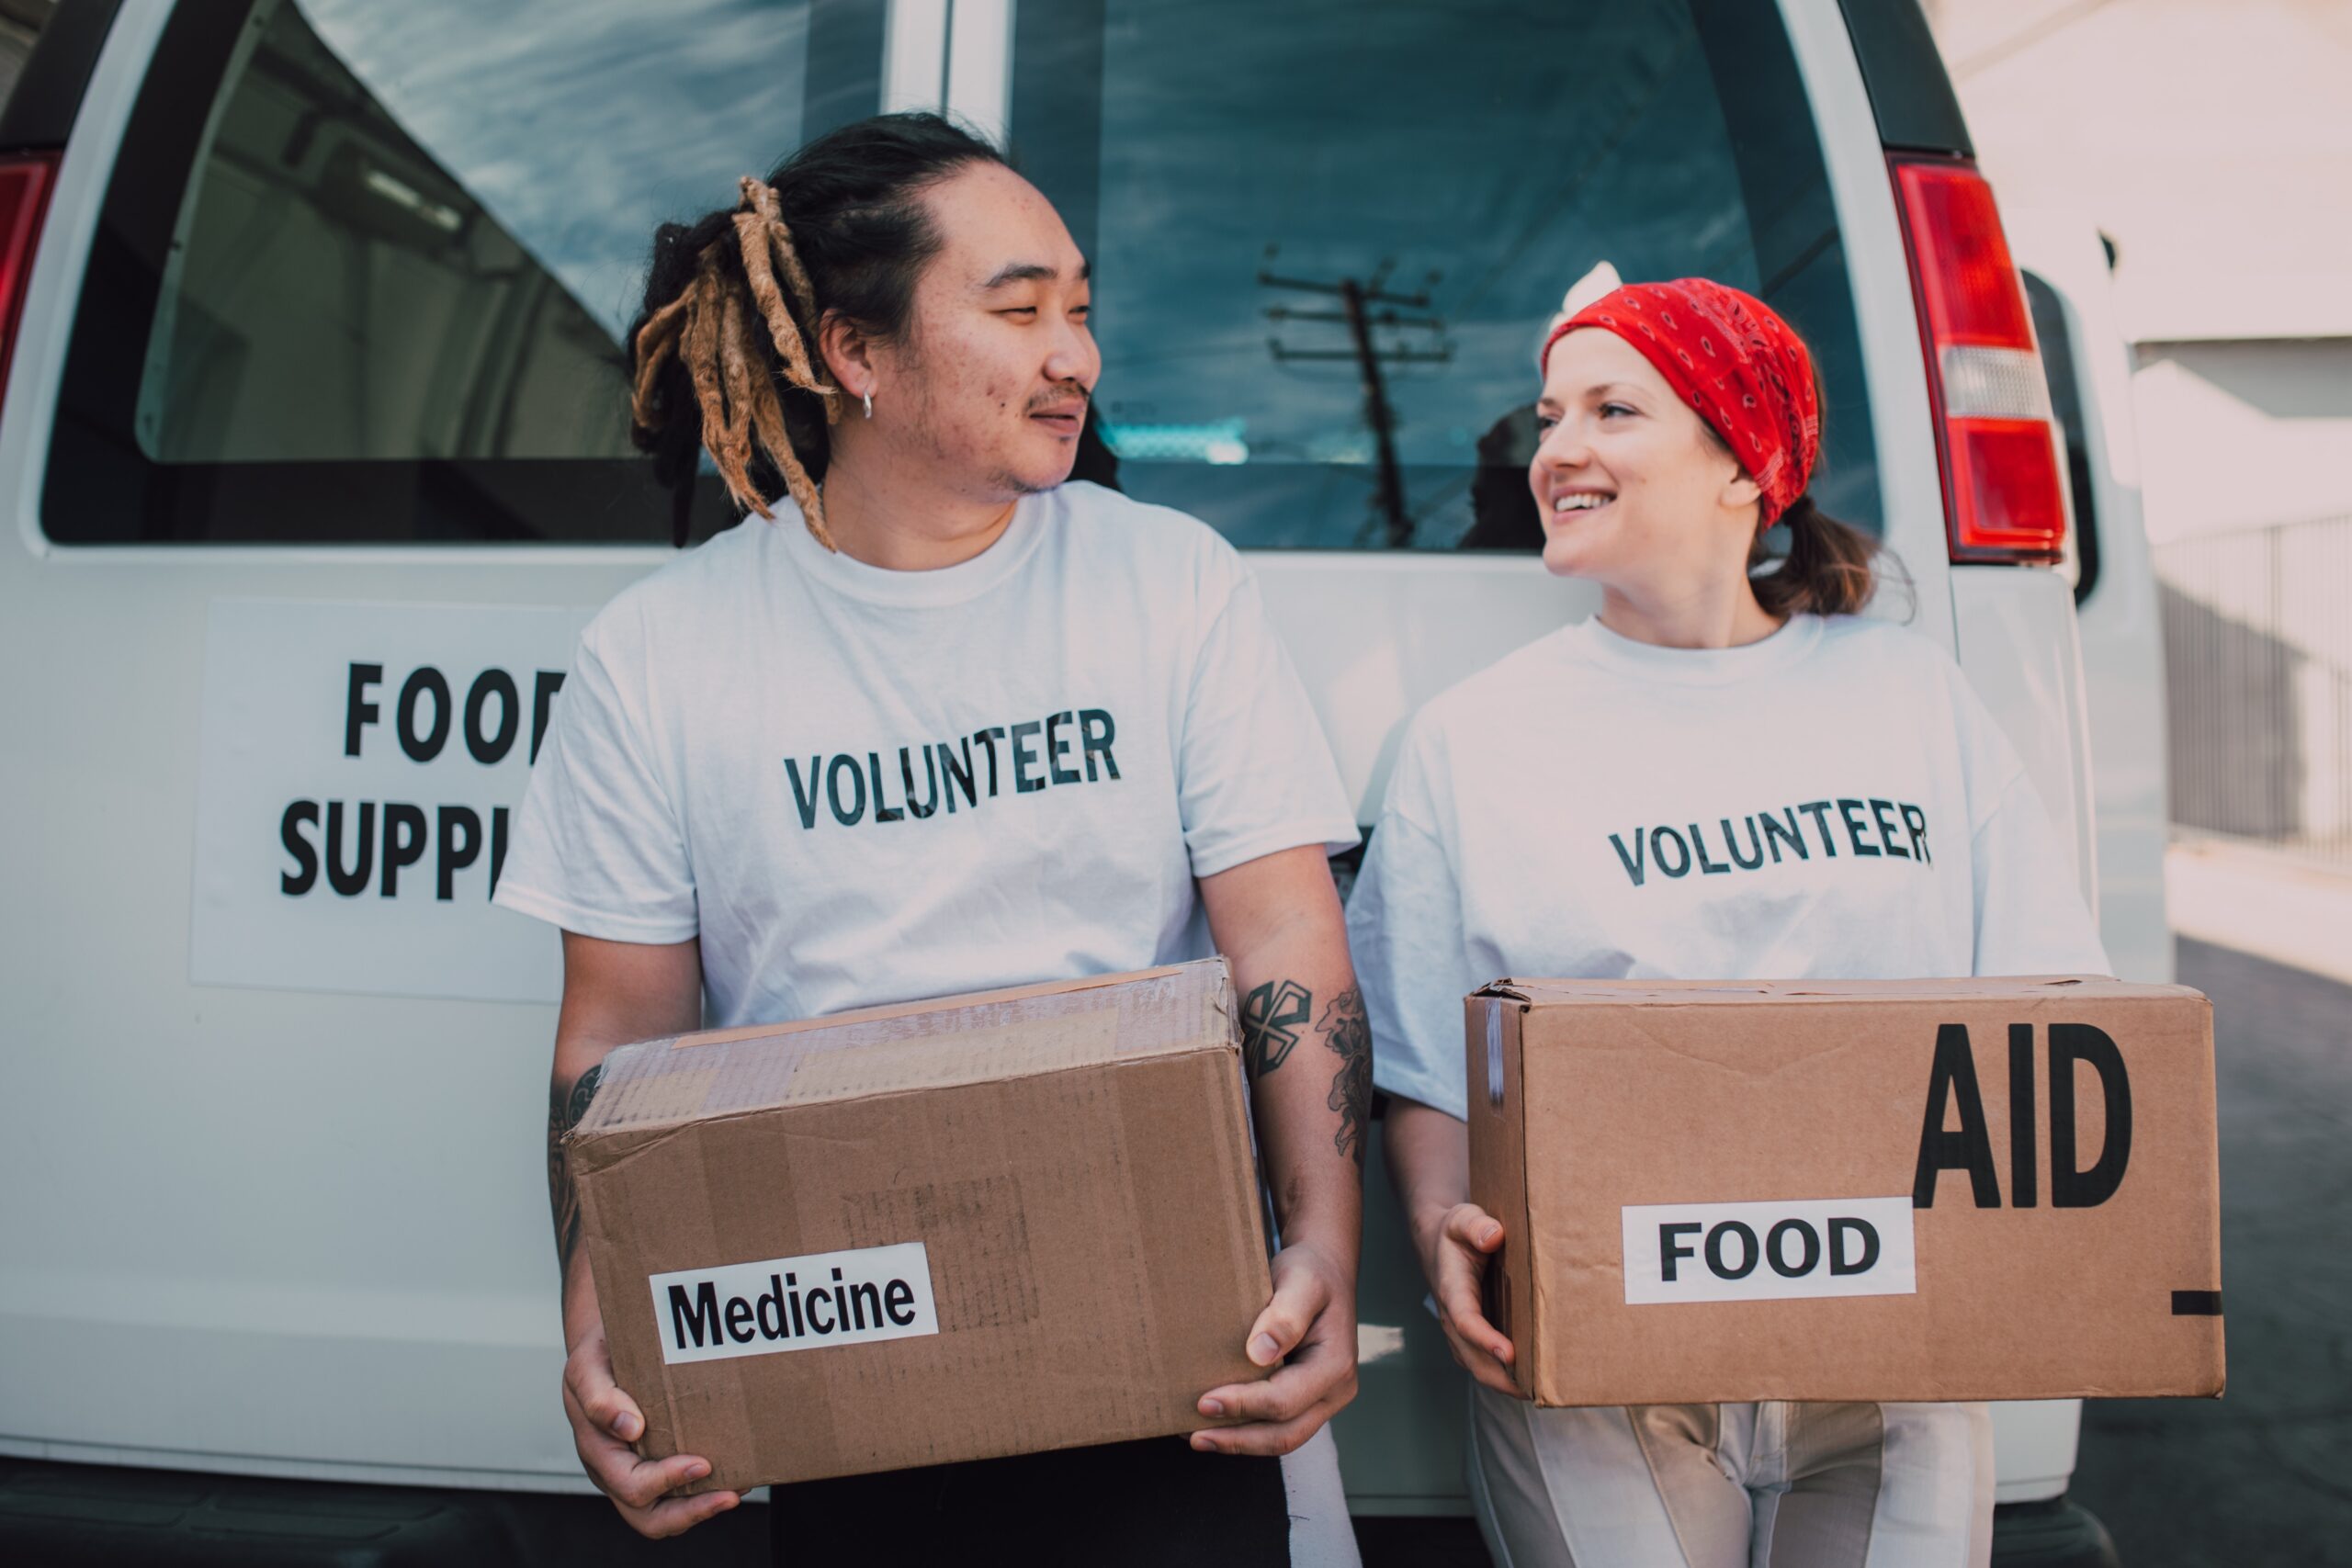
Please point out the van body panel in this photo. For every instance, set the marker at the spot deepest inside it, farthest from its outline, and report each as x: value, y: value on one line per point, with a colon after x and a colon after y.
x: 2117, y: 610
x: 2019, y: 645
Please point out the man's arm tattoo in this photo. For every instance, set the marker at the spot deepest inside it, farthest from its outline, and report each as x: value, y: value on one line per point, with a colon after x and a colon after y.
x: 1272, y: 1017
x: 565, y: 1108
x: 1345, y: 1029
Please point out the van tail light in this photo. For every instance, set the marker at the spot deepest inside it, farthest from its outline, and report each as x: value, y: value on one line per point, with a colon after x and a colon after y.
x: 2005, y: 496
x: 26, y: 180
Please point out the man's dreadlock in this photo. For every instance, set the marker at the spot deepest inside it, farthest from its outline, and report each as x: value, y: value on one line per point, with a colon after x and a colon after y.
x: 734, y: 300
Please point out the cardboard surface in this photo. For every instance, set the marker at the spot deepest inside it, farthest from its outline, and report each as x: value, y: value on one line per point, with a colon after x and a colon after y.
x: 1042, y: 1204
x: 1834, y: 1191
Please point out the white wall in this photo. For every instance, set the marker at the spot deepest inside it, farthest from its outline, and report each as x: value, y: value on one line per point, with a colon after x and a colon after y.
x: 2212, y: 140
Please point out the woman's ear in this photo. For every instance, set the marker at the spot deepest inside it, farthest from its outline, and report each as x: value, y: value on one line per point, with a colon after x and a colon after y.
x: 1741, y: 491
x: 848, y: 355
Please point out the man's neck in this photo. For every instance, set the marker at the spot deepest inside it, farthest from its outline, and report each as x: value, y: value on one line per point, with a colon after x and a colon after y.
x: 880, y: 517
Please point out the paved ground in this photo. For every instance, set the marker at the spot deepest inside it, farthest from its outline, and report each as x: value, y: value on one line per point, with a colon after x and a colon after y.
x: 2265, y: 1475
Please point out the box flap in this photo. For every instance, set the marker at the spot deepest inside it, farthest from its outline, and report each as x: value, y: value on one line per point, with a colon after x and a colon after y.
x: 990, y: 1037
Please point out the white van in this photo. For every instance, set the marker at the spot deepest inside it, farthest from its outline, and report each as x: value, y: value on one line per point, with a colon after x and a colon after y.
x: 313, y: 444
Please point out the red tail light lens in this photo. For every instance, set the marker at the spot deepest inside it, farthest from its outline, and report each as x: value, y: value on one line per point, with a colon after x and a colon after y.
x: 24, y: 183
x: 2005, y: 496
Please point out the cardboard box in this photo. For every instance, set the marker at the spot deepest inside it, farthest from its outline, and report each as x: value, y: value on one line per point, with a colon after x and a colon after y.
x: 1849, y: 1190
x: 1036, y: 1209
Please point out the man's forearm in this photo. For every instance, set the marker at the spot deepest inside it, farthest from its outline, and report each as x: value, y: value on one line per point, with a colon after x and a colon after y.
x: 1308, y: 1052
x: 567, y: 1103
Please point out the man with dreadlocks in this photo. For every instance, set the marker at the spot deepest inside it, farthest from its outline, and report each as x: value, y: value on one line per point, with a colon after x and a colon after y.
x: 932, y: 720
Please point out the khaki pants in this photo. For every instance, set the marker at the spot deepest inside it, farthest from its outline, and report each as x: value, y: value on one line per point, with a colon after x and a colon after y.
x: 1771, y: 1485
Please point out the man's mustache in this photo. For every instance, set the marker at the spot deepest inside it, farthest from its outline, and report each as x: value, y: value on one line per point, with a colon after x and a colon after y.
x: 1061, y: 395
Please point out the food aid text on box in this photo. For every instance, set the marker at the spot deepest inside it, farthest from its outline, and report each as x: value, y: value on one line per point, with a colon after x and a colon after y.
x: 1874, y: 1190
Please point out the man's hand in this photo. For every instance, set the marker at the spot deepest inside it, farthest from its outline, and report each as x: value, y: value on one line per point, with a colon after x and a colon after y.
x: 1311, y: 1320
x: 614, y: 992
x: 605, y: 1421
x: 1455, y: 1258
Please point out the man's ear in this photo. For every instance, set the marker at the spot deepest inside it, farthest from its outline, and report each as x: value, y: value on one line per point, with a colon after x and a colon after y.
x: 848, y: 355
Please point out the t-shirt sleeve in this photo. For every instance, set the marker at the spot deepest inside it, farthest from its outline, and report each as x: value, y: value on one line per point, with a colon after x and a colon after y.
x: 1405, y: 928
x: 597, y: 846
x: 1254, y: 771
x: 2030, y: 918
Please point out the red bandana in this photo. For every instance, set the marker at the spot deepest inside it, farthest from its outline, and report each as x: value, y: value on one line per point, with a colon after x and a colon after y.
x: 1732, y: 358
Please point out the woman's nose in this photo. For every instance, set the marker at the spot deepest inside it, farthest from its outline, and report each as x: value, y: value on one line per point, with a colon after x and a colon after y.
x: 1563, y: 449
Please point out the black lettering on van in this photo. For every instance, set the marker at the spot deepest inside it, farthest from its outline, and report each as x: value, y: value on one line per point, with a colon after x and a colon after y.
x: 497, y: 844
x: 404, y: 843
x: 352, y: 881
x: 544, y: 687
x: 460, y: 840
x: 357, y: 711
x: 489, y: 747
x: 422, y: 681
x: 305, y: 875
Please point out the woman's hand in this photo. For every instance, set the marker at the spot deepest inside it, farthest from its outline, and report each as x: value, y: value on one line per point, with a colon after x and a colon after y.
x: 1455, y: 1257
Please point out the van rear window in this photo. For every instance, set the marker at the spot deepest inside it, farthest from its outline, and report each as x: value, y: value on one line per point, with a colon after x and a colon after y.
x: 363, y: 271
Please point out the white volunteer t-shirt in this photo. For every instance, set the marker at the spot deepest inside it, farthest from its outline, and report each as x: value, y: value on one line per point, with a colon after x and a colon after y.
x: 860, y: 786
x: 1832, y: 802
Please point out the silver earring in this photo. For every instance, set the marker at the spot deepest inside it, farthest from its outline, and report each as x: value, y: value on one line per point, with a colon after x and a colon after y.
x: 869, y: 405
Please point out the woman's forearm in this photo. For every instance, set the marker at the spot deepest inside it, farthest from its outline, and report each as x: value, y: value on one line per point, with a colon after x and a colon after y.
x: 1428, y: 1164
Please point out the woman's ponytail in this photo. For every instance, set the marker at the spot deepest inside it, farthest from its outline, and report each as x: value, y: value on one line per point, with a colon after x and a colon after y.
x: 1829, y: 569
